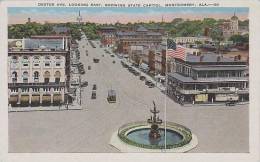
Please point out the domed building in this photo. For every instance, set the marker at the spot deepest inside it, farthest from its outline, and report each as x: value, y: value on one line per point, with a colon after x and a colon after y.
x: 230, y: 27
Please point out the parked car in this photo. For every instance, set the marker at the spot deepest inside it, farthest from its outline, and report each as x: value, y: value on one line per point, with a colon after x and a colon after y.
x: 111, y: 97
x: 82, y: 72
x: 230, y: 103
x: 84, y: 84
x: 147, y: 82
x: 93, y: 95
x: 136, y: 73
x: 151, y: 85
x: 95, y: 60
x: 114, y: 61
x: 94, y: 87
x: 142, y: 77
x: 89, y: 67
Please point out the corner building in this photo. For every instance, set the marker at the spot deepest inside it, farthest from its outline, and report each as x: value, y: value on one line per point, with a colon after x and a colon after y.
x: 208, y: 78
x: 37, y: 71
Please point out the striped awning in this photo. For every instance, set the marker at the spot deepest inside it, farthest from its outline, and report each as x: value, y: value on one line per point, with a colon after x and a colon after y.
x: 46, y: 98
x: 57, y: 97
x: 13, y: 99
x: 25, y: 98
x: 35, y: 98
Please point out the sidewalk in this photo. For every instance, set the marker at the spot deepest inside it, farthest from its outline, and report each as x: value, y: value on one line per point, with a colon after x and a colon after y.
x: 157, y: 84
x: 44, y: 108
x: 214, y: 104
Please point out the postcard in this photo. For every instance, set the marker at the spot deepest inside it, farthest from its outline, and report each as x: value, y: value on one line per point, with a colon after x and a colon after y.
x: 145, y: 80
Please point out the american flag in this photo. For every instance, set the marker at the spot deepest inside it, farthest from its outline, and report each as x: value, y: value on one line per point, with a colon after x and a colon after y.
x: 175, y: 51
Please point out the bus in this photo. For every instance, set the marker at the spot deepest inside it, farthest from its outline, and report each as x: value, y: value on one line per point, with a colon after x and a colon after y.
x: 111, y: 97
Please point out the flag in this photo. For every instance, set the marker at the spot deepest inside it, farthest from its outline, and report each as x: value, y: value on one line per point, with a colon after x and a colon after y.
x: 175, y: 51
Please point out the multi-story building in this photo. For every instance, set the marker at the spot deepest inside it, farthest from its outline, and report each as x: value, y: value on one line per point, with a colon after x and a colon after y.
x: 140, y: 36
x: 192, y: 40
x: 208, y: 78
x: 108, y: 36
x: 231, y: 27
x: 154, y: 58
x: 37, y: 71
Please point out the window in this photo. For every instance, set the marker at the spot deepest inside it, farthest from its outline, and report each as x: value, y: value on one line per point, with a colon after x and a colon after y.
x: 47, y: 64
x: 36, y: 76
x: 46, y: 89
x: 56, y: 89
x: 58, y: 64
x: 25, y: 77
x: 25, y: 89
x: 14, y: 90
x: 57, y: 58
x: 47, y: 58
x: 35, y: 89
x: 14, y: 77
x: 57, y: 76
x: 14, y: 59
x: 36, y: 65
x: 46, y: 77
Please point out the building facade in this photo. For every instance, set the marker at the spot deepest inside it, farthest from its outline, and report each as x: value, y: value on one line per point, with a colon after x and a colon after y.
x: 108, y: 36
x: 139, y: 37
x: 37, y: 71
x: 192, y: 40
x: 208, y: 78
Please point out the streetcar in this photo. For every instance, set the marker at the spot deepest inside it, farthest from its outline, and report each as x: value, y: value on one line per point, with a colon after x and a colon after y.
x: 111, y: 97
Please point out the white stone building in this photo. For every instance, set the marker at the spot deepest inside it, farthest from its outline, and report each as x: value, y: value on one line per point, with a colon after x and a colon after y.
x: 37, y: 72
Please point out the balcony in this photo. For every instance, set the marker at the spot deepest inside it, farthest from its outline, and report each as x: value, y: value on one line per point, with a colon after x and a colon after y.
x: 50, y: 84
x: 216, y: 90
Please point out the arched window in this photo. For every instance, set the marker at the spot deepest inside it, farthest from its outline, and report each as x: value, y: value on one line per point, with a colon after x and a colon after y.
x: 57, y: 76
x: 14, y: 77
x: 25, y: 77
x: 14, y: 59
x: 46, y: 77
x: 47, y: 61
x: 36, y: 76
x: 57, y: 58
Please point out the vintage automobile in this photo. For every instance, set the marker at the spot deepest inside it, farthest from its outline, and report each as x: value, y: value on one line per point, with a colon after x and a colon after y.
x: 93, y: 95
x: 111, y: 97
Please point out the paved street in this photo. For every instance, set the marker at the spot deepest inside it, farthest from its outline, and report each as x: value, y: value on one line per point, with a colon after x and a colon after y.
x: 219, y: 129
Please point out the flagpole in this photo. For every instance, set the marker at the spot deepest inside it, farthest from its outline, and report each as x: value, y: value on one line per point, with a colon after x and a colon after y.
x: 166, y: 84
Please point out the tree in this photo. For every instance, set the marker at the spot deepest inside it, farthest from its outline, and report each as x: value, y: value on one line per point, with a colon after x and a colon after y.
x: 217, y: 35
x: 239, y: 38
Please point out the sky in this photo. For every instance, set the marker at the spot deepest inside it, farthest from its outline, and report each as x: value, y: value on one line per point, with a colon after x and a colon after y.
x: 19, y: 15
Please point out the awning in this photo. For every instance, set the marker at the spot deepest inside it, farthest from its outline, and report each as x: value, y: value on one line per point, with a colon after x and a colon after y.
x: 46, y: 98
x: 13, y: 99
x: 25, y: 98
x: 57, y: 97
x: 35, y: 98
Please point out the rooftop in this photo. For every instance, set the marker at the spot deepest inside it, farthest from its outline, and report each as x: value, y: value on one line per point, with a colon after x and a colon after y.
x: 60, y: 29
x: 185, y: 79
x: 208, y: 58
x: 141, y: 29
x: 56, y: 44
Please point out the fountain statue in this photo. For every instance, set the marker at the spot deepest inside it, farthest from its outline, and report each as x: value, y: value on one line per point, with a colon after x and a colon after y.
x: 154, y: 121
x: 153, y: 136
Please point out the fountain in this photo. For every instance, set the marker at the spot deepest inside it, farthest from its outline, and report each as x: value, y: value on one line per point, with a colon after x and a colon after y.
x: 154, y: 121
x: 153, y: 135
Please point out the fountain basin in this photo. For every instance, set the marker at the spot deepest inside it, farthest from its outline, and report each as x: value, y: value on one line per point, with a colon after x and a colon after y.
x: 134, y: 137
